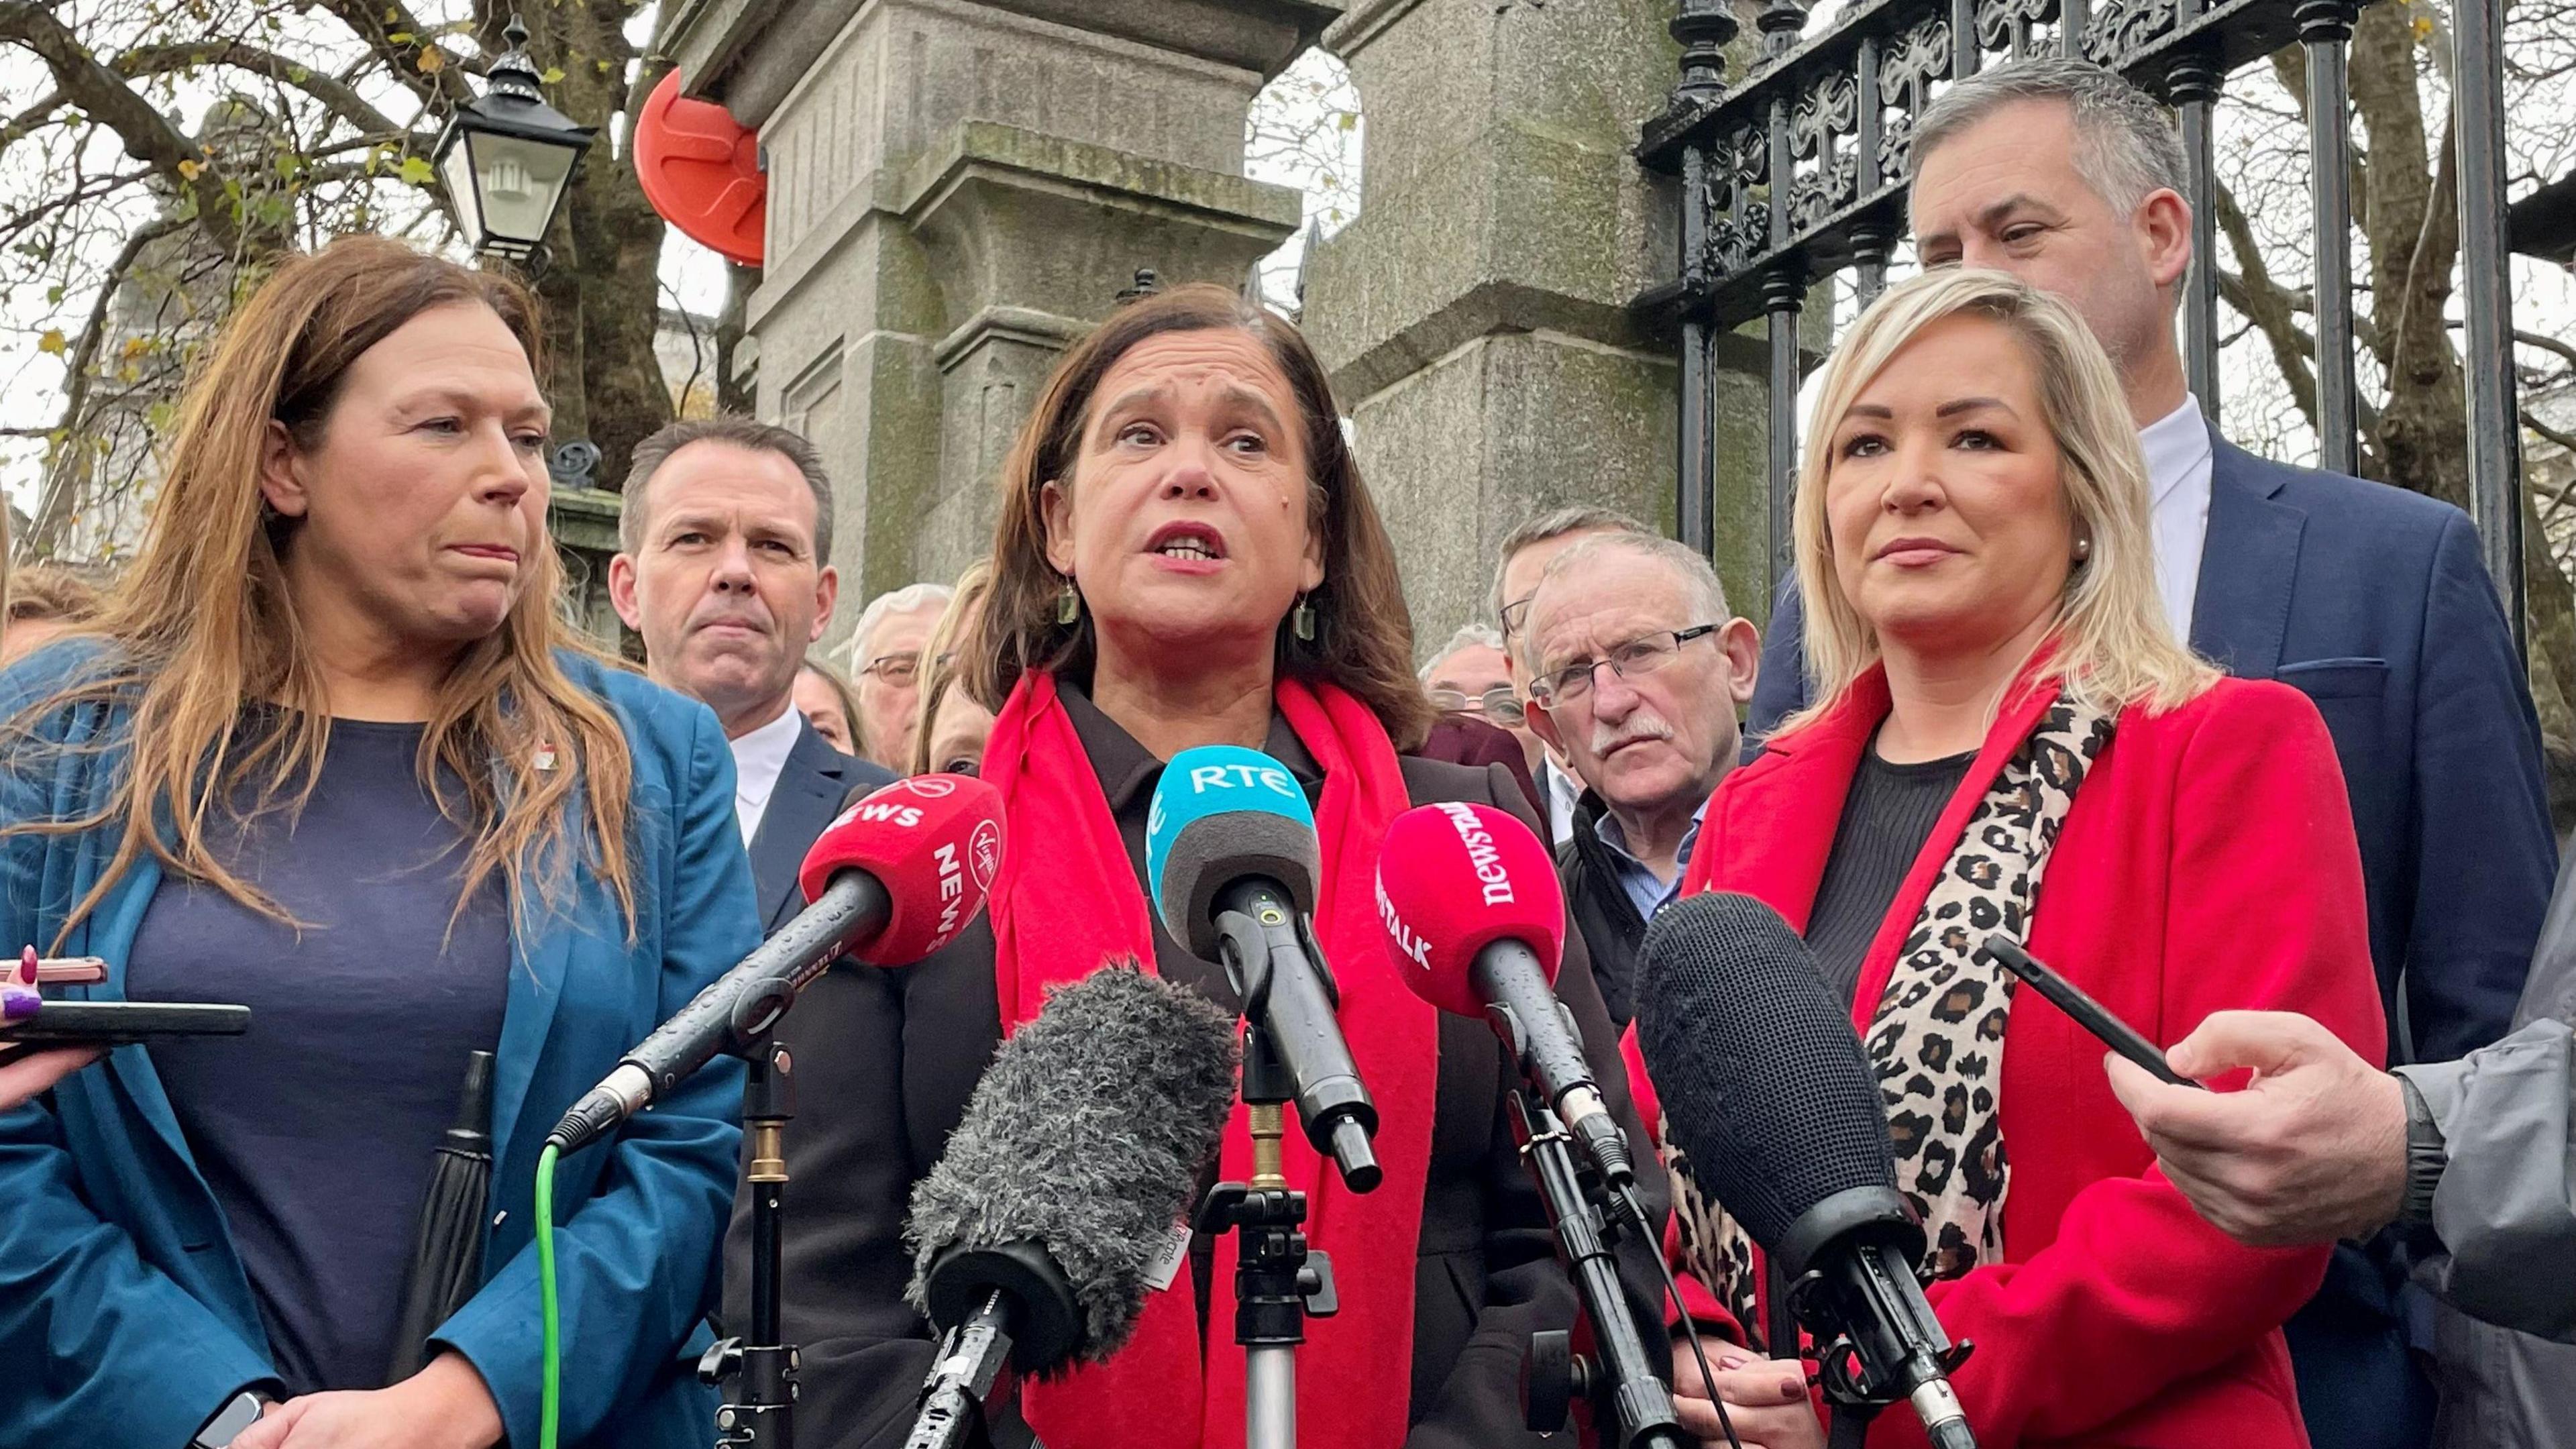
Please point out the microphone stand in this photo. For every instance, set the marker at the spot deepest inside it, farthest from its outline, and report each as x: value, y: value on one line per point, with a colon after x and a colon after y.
x: 760, y: 1374
x: 1278, y: 1280
x: 1621, y: 1383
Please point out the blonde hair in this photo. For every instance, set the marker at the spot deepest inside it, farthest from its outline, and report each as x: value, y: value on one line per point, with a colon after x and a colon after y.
x: 938, y: 657
x: 2114, y: 647
x: 201, y: 625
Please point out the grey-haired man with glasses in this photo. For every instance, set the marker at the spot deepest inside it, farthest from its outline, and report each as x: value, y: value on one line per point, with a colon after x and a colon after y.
x: 1636, y: 669
x: 1525, y: 554
x: 1471, y: 676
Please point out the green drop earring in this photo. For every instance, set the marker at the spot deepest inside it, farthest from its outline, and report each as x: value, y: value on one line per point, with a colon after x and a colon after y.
x: 1301, y: 621
x: 1068, y: 604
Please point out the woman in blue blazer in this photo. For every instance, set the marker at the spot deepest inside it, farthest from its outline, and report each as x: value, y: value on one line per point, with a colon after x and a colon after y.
x: 327, y: 754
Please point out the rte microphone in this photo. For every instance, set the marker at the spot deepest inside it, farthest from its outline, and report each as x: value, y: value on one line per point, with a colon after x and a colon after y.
x: 894, y: 879
x: 1765, y: 1086
x: 1476, y: 921
x: 1231, y: 860
x: 1045, y: 1224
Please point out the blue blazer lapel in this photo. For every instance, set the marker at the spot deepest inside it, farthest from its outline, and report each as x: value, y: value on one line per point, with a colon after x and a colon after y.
x: 807, y: 796
x: 539, y: 953
x: 2249, y: 563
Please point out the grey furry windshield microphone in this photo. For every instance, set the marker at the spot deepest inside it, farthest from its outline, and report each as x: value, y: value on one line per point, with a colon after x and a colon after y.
x: 1037, y: 1235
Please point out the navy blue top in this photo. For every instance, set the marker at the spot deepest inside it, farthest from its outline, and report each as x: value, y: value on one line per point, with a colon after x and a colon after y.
x: 316, y: 1130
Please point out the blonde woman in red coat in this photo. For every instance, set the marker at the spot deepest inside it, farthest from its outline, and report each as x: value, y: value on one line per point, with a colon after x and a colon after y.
x: 2010, y: 738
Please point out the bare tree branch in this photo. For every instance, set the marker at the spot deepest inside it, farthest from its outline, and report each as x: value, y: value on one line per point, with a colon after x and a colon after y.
x: 336, y: 96
x: 53, y: 513
x: 148, y: 135
x: 21, y: 125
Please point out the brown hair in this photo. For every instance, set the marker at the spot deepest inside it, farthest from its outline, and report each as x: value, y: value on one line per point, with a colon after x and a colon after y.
x: 49, y: 591
x: 201, y: 624
x: 749, y: 434
x: 1363, y: 634
x: 814, y: 664
x: 940, y: 666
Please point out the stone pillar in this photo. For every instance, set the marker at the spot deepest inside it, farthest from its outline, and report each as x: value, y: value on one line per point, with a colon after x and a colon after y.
x: 1475, y: 316
x: 957, y: 188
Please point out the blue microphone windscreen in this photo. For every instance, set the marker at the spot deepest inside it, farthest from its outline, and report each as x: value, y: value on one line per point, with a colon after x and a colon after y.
x: 1220, y: 813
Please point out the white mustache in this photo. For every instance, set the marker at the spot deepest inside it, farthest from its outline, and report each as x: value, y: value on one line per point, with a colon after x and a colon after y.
x: 1644, y: 725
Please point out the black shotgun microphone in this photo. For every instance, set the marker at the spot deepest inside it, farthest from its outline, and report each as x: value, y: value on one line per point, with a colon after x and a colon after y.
x: 1039, y: 1232
x: 892, y: 880
x: 1764, y: 1085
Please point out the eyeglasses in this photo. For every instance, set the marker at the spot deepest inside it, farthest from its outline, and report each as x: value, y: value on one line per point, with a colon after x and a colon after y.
x: 894, y: 668
x: 1515, y: 614
x: 1642, y: 655
x: 1498, y: 705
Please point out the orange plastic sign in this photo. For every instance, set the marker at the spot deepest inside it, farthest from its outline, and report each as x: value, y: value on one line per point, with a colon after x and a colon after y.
x: 701, y: 170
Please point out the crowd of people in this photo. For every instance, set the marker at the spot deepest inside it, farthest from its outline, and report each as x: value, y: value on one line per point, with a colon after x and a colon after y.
x: 2242, y: 749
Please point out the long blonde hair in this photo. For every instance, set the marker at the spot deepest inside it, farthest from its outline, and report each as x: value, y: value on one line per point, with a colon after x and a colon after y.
x: 2114, y: 647
x: 201, y: 626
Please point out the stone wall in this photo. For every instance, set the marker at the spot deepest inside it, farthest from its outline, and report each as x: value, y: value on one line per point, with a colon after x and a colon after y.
x: 957, y: 188
x: 1476, y: 315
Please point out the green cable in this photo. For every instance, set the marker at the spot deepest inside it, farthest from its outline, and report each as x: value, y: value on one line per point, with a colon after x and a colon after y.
x: 551, y: 1402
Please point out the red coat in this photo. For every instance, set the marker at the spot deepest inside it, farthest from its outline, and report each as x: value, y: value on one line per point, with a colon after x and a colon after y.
x: 2208, y: 862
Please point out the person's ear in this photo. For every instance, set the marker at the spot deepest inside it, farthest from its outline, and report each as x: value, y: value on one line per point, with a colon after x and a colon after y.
x: 827, y: 592
x: 1741, y: 644
x: 2163, y: 224
x: 621, y: 591
x: 280, y: 486
x: 1055, y: 515
x: 1543, y: 725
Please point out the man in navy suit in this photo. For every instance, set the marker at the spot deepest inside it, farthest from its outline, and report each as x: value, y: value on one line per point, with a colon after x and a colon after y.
x: 720, y: 567
x: 2369, y: 598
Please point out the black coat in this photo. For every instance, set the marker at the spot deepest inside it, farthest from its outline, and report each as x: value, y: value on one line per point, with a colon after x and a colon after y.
x: 1604, y: 916
x: 888, y: 1059
x: 809, y: 793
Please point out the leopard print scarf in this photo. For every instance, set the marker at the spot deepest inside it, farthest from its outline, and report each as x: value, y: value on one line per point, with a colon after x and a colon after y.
x: 1937, y: 1037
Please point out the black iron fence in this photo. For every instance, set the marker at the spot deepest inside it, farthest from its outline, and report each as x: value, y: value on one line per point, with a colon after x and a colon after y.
x: 1795, y: 172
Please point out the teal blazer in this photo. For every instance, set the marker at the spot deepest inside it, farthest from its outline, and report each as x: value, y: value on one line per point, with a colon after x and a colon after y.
x: 125, y: 1317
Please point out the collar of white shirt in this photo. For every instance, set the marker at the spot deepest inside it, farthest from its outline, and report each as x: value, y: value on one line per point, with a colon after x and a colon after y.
x: 758, y: 758
x: 2179, y: 458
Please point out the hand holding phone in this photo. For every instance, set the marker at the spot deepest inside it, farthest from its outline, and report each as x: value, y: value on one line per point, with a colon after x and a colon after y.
x: 2089, y: 1014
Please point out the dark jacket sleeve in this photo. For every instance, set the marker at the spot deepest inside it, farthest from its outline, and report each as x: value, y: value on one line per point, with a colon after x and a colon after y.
x: 2483, y: 852
x: 1471, y: 1398
x: 864, y: 1351
x: 1781, y: 688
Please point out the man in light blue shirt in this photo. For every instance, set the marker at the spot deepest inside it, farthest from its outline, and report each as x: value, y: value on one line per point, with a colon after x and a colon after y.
x: 1636, y: 670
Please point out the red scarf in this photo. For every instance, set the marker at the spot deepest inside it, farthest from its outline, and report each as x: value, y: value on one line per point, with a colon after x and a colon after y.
x: 1066, y: 900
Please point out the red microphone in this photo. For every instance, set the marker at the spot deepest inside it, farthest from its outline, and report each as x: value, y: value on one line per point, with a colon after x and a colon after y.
x: 894, y: 879
x: 1476, y: 921
x: 930, y: 843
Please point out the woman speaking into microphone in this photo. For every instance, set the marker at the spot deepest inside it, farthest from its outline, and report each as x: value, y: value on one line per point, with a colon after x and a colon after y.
x: 1186, y: 556
x: 326, y: 753
x: 2009, y: 737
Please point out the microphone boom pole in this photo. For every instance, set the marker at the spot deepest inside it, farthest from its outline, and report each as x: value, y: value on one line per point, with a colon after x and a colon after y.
x: 1639, y: 1402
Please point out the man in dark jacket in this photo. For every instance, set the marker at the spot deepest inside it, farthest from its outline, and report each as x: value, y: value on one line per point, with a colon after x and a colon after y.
x: 720, y: 566
x: 1636, y: 670
x: 2372, y: 600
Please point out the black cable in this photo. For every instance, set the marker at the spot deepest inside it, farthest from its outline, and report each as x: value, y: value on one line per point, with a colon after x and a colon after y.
x: 1627, y: 1198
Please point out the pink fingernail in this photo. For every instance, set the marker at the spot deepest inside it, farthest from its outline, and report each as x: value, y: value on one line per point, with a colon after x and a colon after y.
x: 27, y: 970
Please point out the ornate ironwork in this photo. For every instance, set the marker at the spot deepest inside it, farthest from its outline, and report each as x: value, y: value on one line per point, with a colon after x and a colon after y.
x: 2009, y: 25
x: 1798, y: 171
x: 2120, y: 27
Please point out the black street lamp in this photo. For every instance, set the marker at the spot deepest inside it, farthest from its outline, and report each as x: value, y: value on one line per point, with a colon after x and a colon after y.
x: 509, y: 157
